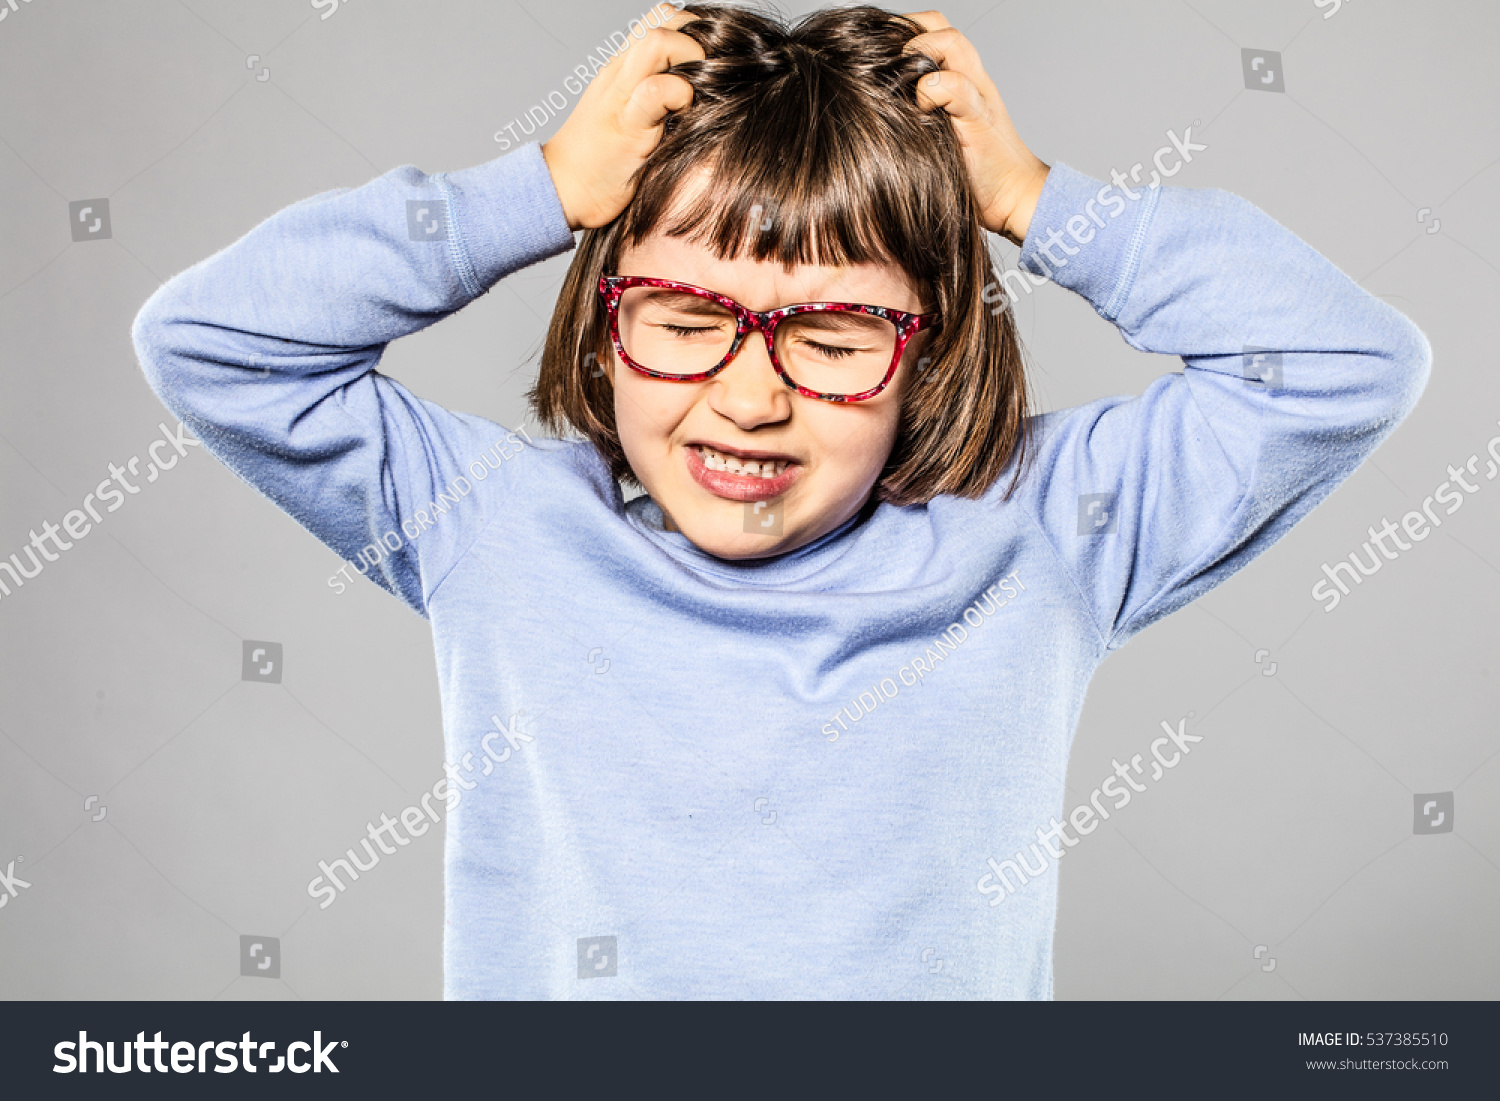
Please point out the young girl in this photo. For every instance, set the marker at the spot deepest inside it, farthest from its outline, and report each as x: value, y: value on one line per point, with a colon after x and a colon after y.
x: 782, y: 725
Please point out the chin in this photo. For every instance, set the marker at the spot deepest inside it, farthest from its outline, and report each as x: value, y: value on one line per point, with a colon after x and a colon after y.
x: 725, y: 537
x: 727, y: 525
x: 746, y: 530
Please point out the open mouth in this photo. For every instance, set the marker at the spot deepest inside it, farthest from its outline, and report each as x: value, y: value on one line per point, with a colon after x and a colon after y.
x: 741, y: 475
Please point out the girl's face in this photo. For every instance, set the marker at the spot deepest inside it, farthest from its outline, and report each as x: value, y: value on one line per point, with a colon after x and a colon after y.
x: 675, y: 434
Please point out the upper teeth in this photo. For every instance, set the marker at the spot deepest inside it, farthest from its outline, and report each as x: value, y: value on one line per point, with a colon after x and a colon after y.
x: 717, y: 460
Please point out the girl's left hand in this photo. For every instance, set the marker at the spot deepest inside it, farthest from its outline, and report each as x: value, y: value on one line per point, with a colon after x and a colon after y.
x: 1006, y: 176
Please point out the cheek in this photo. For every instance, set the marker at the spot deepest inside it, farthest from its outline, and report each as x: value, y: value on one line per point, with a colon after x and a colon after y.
x: 853, y: 442
x: 647, y: 410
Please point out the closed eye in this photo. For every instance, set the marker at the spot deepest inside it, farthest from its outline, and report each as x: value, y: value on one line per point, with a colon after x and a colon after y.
x: 690, y: 330
x: 830, y: 351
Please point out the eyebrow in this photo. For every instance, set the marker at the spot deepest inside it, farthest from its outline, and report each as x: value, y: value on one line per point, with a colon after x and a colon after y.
x: 838, y: 320
x: 694, y: 304
x: 684, y: 302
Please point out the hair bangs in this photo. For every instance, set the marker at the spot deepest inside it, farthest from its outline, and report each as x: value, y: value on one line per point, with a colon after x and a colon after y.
x: 807, y: 165
x: 749, y: 199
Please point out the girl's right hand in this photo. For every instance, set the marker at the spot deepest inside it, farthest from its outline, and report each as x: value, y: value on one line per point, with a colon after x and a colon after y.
x: 618, y: 121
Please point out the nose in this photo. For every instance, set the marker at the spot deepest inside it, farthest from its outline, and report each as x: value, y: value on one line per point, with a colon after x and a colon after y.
x: 748, y: 391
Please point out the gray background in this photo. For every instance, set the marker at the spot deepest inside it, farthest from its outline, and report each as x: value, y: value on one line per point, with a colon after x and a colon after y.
x: 1290, y: 826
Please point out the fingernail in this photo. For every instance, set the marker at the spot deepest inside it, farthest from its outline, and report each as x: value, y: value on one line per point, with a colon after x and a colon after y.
x: 932, y: 80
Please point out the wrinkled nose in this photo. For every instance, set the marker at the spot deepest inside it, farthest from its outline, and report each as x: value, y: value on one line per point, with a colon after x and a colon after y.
x: 748, y: 391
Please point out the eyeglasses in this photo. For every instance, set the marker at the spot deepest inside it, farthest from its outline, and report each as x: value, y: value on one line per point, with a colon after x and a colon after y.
x: 834, y: 351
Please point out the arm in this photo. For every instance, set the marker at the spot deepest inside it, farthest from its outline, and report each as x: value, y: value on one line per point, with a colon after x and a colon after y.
x: 267, y: 350
x: 1207, y: 468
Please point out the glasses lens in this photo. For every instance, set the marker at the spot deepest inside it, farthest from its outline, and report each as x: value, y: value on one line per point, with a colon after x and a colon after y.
x: 674, y: 333
x: 833, y: 352
x: 836, y: 352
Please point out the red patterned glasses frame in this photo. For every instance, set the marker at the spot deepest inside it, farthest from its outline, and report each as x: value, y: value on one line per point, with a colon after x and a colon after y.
x: 612, y: 287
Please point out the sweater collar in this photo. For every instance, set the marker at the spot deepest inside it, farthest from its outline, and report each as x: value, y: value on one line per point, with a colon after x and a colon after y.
x: 646, y: 517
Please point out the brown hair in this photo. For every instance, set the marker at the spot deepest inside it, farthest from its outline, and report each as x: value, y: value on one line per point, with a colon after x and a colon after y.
x: 817, y: 123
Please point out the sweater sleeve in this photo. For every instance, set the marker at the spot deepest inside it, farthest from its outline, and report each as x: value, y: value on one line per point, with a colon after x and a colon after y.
x: 268, y: 352
x: 1292, y: 375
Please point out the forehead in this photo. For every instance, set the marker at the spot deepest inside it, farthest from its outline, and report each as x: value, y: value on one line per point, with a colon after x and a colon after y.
x: 765, y: 284
x: 760, y: 284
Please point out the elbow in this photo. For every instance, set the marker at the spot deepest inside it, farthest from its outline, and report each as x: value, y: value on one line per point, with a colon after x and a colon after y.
x: 1410, y: 360
x: 1393, y: 367
x: 145, y: 335
x: 150, y: 335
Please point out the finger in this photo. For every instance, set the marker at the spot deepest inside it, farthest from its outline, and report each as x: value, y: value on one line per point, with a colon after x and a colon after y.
x: 928, y: 20
x: 635, y: 58
x: 660, y: 49
x: 653, y: 99
x: 680, y: 19
x: 666, y: 15
x: 951, y: 50
x: 954, y: 93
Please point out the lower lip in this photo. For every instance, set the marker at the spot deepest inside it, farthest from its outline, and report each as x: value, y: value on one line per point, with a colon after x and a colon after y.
x: 739, y: 487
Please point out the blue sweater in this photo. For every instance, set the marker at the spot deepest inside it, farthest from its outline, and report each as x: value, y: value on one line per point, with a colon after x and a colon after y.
x: 672, y: 776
